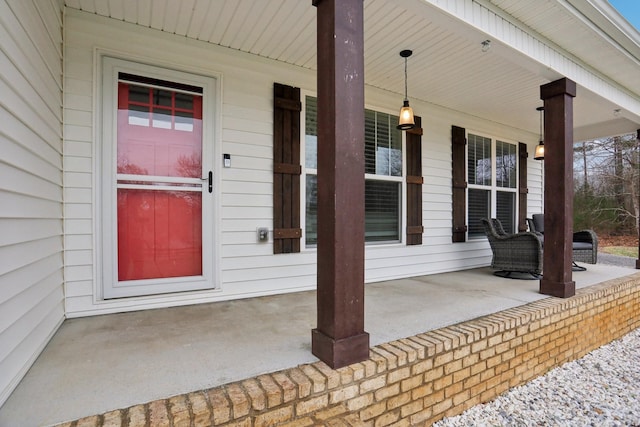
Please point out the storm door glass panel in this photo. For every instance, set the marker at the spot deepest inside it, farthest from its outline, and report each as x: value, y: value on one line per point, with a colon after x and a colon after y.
x: 479, y: 207
x: 159, y: 234
x: 506, y: 210
x: 159, y: 190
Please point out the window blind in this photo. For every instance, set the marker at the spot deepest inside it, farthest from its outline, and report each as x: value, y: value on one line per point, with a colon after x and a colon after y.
x: 506, y: 165
x: 479, y: 206
x: 506, y: 210
x: 479, y: 160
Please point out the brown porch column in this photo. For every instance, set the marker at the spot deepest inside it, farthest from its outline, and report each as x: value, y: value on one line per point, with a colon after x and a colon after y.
x: 558, y: 188
x: 340, y: 339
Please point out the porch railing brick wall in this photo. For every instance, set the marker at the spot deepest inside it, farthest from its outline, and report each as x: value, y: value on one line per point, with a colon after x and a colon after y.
x: 412, y: 381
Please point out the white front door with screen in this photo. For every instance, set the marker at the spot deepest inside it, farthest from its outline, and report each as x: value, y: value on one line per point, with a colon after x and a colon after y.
x: 157, y: 181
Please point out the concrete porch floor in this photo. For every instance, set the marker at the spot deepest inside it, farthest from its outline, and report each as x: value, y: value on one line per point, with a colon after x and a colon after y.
x: 96, y: 364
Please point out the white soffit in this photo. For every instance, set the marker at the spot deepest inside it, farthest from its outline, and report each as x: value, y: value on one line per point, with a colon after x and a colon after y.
x: 448, y: 67
x: 584, y: 32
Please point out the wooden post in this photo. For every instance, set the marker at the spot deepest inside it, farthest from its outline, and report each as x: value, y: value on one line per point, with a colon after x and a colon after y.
x: 340, y: 339
x: 558, y: 188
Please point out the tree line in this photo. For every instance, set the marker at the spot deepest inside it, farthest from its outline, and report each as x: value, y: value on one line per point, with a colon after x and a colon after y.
x: 607, y: 185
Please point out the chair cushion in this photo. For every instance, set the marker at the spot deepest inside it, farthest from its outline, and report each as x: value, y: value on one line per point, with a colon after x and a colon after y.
x: 582, y: 245
x: 576, y: 245
x: 538, y: 222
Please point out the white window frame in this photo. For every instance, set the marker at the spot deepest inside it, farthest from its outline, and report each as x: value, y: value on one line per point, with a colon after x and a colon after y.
x: 494, y: 189
x: 313, y: 171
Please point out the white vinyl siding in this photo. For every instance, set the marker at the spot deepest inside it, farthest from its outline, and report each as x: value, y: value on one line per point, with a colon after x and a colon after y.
x: 31, y: 239
x: 248, y: 267
x: 243, y: 130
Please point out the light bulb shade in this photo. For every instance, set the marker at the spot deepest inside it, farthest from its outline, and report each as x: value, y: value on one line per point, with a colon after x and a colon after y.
x: 406, y: 120
x: 539, y: 154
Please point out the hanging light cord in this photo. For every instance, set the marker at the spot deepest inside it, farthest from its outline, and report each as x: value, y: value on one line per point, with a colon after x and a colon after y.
x: 540, y: 125
x: 405, y: 79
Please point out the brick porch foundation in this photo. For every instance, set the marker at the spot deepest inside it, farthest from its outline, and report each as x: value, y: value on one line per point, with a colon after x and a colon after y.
x: 412, y: 381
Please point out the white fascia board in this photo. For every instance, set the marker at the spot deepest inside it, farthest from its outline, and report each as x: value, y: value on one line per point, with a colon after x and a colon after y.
x: 607, y: 18
x: 531, y: 50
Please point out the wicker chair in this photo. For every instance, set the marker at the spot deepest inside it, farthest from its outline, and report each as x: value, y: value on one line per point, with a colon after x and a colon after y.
x: 513, y: 253
x: 585, y: 242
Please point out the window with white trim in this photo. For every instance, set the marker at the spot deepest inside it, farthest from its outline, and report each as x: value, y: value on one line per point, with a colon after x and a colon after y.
x: 384, y: 171
x: 492, y: 183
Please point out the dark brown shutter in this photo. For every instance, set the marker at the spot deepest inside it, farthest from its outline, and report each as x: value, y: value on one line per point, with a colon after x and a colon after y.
x: 522, y: 186
x: 286, y: 169
x: 414, y: 184
x: 459, y: 183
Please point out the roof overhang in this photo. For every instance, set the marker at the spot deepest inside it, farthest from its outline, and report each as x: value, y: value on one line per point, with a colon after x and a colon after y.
x: 531, y: 44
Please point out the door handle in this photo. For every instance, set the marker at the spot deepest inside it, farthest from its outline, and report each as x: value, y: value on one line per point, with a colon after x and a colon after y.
x: 210, y: 182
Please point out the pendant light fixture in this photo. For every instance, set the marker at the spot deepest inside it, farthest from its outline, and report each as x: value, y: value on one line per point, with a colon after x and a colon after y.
x: 539, y: 154
x: 406, y: 120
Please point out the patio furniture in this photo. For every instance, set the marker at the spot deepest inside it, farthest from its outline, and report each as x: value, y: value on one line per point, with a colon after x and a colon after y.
x: 585, y: 242
x: 513, y: 253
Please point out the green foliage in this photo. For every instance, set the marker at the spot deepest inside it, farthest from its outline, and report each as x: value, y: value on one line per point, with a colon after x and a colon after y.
x: 596, y: 212
x: 606, y: 185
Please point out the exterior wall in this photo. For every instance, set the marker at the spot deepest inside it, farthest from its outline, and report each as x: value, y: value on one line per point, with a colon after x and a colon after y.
x: 248, y: 268
x: 31, y: 236
x: 414, y: 381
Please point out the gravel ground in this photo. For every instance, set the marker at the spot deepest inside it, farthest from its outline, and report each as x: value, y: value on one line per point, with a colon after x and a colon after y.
x: 601, y: 389
x: 620, y: 261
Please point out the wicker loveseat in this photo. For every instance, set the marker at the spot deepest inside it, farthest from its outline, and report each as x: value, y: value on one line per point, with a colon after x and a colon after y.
x: 585, y: 242
x: 513, y: 253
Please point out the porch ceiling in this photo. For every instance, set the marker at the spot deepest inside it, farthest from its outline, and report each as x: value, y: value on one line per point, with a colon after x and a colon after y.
x: 448, y: 67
